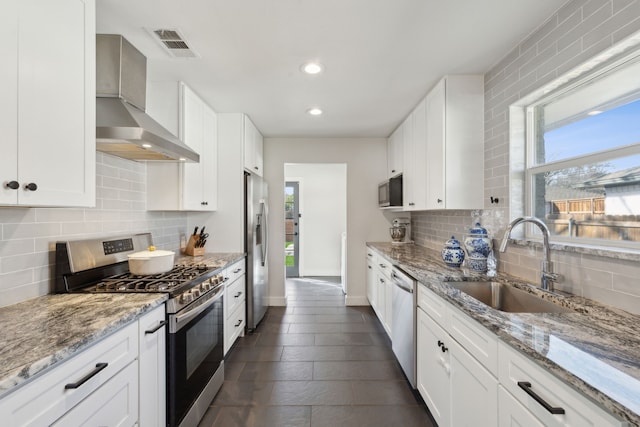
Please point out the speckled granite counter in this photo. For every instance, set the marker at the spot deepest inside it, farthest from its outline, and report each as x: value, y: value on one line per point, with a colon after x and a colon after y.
x: 43, y: 331
x: 595, y: 350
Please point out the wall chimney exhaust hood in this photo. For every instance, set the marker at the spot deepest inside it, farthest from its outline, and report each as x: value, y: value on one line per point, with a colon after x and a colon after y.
x: 123, y: 128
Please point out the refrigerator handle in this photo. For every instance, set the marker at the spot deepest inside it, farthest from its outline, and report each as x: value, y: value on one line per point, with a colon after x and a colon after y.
x: 265, y: 236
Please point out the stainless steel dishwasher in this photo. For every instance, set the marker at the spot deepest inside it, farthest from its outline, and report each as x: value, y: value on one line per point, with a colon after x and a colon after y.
x: 403, y: 324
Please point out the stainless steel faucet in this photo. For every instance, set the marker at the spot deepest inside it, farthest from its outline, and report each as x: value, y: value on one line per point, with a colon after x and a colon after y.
x: 547, y: 277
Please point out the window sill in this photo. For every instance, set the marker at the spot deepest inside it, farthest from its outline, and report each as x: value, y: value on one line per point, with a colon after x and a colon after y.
x: 601, y: 251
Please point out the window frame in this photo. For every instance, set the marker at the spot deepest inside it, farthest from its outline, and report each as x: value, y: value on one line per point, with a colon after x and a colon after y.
x: 528, y: 106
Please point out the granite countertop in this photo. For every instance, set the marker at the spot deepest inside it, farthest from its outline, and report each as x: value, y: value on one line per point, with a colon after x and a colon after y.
x: 42, y: 332
x: 595, y: 349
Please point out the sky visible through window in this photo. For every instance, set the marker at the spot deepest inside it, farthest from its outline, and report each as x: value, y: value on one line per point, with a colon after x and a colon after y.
x: 613, y: 128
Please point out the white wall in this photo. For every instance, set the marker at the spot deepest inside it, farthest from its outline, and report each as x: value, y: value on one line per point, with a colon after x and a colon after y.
x: 366, y: 160
x: 323, y: 205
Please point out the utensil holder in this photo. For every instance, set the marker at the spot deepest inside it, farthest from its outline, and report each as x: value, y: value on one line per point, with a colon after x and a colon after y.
x: 191, y: 247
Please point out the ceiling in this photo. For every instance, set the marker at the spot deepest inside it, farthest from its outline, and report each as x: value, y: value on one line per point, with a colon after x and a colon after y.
x: 380, y: 56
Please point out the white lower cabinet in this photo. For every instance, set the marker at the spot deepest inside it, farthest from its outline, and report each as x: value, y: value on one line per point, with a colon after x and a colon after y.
x: 152, y: 373
x: 371, y: 282
x: 511, y: 412
x: 113, y: 404
x: 458, y: 390
x: 234, y: 304
x: 467, y: 377
x: 541, y: 394
x: 107, y: 384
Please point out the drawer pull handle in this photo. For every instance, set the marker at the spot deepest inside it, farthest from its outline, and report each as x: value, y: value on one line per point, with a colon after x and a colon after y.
x: 237, y: 270
x: 237, y: 295
x: 238, y: 324
x: 99, y: 367
x: 154, y: 330
x: 526, y: 386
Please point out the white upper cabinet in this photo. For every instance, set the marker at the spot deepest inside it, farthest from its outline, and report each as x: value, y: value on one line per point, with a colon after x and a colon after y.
x: 183, y: 186
x: 414, y: 178
x: 395, y: 153
x: 253, y: 143
x: 47, y: 107
x: 455, y: 143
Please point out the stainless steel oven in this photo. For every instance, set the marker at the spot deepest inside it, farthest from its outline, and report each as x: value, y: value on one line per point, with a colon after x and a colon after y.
x: 195, y: 359
x: 194, y: 310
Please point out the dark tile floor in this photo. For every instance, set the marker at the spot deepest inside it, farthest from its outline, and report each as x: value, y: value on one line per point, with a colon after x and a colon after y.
x: 315, y: 363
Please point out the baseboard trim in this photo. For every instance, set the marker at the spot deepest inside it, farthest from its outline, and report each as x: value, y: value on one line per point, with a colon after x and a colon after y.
x: 277, y: 301
x: 356, y: 300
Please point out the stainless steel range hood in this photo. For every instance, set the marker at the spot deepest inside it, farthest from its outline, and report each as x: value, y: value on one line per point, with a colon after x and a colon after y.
x: 123, y: 128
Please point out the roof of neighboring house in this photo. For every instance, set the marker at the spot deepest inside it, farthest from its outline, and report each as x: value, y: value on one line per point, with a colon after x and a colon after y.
x: 623, y: 177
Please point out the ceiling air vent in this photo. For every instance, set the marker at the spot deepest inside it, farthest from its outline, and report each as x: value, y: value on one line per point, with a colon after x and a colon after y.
x: 174, y: 43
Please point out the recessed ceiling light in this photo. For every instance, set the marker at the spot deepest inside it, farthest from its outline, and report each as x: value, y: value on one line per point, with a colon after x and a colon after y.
x: 312, y: 68
x: 182, y: 159
x: 146, y: 145
x: 594, y: 113
x: 315, y: 111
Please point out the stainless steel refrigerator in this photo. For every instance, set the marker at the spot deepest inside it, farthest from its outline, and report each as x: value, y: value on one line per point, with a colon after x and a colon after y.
x: 256, y: 244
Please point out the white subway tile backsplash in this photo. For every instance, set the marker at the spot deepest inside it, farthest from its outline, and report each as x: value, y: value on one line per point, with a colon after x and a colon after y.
x: 28, y: 235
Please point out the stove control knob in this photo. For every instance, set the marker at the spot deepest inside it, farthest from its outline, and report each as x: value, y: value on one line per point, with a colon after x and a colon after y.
x: 186, y: 297
x: 204, y: 287
x: 195, y: 293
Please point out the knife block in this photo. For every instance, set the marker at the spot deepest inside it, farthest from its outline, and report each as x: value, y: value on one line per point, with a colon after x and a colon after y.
x: 191, y: 247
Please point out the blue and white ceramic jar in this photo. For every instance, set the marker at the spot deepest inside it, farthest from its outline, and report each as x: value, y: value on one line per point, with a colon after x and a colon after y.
x: 452, y: 253
x: 478, y: 245
x: 477, y: 242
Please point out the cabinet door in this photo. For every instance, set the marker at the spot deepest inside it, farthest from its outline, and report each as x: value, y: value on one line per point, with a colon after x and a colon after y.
x: 371, y: 284
x: 433, y: 369
x: 56, y: 108
x: 258, y: 147
x: 210, y: 163
x: 408, y: 173
x: 9, y: 101
x: 192, y: 130
x: 512, y: 413
x: 435, y: 106
x: 152, y: 374
x: 114, y: 404
x: 418, y: 158
x: 474, y: 390
x: 395, y: 153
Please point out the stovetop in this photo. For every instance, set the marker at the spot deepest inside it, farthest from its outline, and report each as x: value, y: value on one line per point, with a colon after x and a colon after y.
x: 165, y: 282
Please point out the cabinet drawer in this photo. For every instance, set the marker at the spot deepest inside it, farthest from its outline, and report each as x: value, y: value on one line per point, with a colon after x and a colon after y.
x: 384, y: 267
x: 45, y: 399
x: 234, y: 295
x: 475, y: 339
x: 432, y: 304
x: 578, y: 410
x: 113, y: 404
x: 234, y: 326
x: 234, y: 271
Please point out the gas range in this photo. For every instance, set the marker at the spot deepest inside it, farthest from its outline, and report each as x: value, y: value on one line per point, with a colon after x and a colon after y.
x: 100, y: 265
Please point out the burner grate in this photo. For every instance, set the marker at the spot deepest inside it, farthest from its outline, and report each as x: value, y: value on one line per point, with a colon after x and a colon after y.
x: 164, y: 282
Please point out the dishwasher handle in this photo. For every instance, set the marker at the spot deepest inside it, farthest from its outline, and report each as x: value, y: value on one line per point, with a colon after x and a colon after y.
x: 396, y: 281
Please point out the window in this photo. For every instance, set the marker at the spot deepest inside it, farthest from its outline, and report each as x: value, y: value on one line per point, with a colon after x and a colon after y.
x: 583, y: 158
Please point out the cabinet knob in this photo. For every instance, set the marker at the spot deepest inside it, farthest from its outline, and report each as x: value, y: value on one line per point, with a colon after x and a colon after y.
x: 439, y: 200
x: 31, y: 186
x: 256, y: 168
x: 238, y: 324
x: 393, y: 171
x: 14, y: 185
x: 411, y: 204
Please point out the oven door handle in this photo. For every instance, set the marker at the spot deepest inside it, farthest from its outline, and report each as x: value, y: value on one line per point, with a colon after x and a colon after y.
x: 177, y: 322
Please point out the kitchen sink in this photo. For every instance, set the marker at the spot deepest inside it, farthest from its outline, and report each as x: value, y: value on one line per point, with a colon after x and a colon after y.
x: 507, y: 298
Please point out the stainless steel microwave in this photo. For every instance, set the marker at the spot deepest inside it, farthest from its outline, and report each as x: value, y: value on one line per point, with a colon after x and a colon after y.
x: 390, y: 192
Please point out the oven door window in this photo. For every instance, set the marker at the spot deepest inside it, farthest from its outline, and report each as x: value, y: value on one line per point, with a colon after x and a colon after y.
x: 195, y: 353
